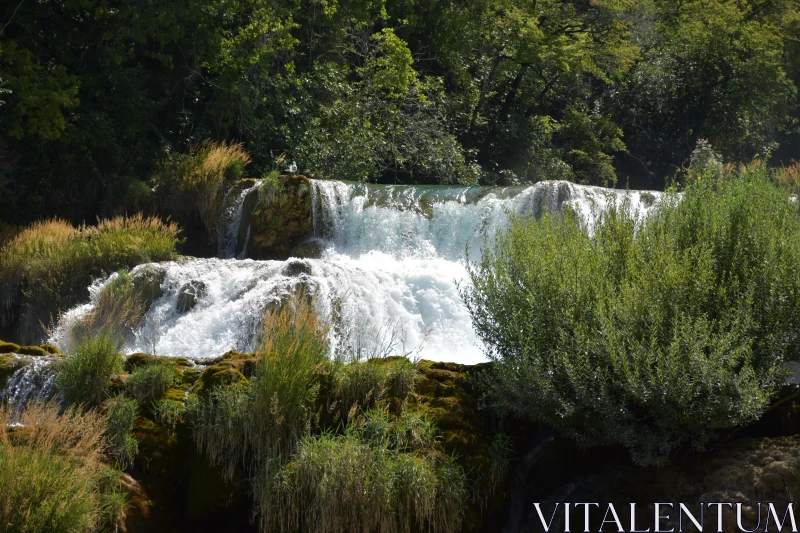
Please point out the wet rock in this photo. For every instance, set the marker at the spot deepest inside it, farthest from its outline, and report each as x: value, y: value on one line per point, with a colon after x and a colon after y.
x: 147, y: 284
x: 189, y: 294
x: 282, y: 218
x: 295, y: 268
x: 309, y: 249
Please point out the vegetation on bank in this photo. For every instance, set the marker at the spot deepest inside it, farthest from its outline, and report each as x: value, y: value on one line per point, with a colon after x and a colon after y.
x: 352, y: 463
x: 53, y: 476
x: 388, y: 90
x: 47, y: 266
x: 648, y: 333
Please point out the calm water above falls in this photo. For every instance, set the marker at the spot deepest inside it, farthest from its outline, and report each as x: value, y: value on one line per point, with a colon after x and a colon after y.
x: 388, y: 277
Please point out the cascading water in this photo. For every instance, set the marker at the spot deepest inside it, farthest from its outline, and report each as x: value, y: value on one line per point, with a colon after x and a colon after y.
x: 35, y: 379
x: 388, y: 278
x: 230, y: 219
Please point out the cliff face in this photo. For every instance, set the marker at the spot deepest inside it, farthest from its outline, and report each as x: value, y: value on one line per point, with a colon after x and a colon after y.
x: 281, y: 219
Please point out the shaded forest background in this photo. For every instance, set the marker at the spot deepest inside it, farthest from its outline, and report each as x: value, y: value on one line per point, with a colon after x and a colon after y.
x: 95, y: 93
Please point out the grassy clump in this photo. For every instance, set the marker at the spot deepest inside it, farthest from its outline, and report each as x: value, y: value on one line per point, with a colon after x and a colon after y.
x: 169, y: 413
x: 83, y: 376
x: 649, y: 334
x: 271, y: 425
x: 191, y: 185
x: 121, y: 413
x: 53, y: 478
x: 383, y: 474
x: 150, y: 382
x: 117, y: 309
x: 47, y: 266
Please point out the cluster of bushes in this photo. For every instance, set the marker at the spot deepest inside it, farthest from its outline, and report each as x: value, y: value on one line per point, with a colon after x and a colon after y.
x: 47, y: 266
x: 649, y: 333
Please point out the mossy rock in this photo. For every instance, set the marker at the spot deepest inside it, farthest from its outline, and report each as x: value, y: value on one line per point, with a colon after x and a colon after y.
x: 8, y: 365
x: 32, y: 350
x: 219, y: 375
x: 8, y: 347
x: 147, y: 284
x: 282, y: 218
x: 53, y: 350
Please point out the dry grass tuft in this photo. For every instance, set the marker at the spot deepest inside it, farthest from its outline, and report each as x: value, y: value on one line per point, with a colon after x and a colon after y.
x: 194, y: 182
x: 48, y: 265
x: 53, y: 478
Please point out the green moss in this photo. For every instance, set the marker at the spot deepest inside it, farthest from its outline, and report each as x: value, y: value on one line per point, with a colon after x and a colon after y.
x: 49, y: 348
x: 176, y: 394
x: 220, y: 374
x: 8, y: 365
x: 32, y: 350
x: 135, y: 360
x: 8, y: 347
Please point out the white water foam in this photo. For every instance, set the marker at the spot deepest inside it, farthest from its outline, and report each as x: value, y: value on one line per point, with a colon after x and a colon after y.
x: 388, y: 281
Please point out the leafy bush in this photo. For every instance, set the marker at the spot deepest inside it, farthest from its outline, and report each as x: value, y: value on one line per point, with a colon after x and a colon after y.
x: 150, y: 382
x: 650, y: 334
x: 52, y: 477
x: 48, y: 265
x: 83, y: 376
x: 192, y: 184
x: 121, y: 413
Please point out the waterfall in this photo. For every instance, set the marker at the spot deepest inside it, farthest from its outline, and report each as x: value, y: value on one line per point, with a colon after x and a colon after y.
x: 388, y: 279
x: 35, y: 379
x: 230, y: 220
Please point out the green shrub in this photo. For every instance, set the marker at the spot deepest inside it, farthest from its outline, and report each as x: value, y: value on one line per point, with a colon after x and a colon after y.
x: 83, y: 376
x: 121, y: 413
x: 386, y: 472
x: 255, y: 422
x: 47, y: 266
x: 649, y: 335
x: 52, y: 478
x: 150, y: 382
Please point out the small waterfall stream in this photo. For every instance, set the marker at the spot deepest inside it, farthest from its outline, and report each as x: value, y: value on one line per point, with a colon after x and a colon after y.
x: 388, y: 278
x: 35, y: 379
x: 230, y: 220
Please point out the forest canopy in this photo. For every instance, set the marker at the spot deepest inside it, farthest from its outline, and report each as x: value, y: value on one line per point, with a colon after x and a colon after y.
x: 95, y: 93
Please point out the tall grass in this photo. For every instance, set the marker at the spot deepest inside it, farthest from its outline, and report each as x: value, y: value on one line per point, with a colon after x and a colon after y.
x: 382, y: 472
x: 151, y: 381
x: 259, y: 422
x: 192, y: 184
x: 382, y: 475
x: 121, y: 415
x: 48, y: 265
x: 649, y: 334
x: 52, y: 477
x: 83, y: 376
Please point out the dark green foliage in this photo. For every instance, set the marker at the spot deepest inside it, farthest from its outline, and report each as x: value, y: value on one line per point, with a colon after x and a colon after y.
x: 83, y: 376
x: 649, y: 336
x: 121, y: 413
x: 400, y: 91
